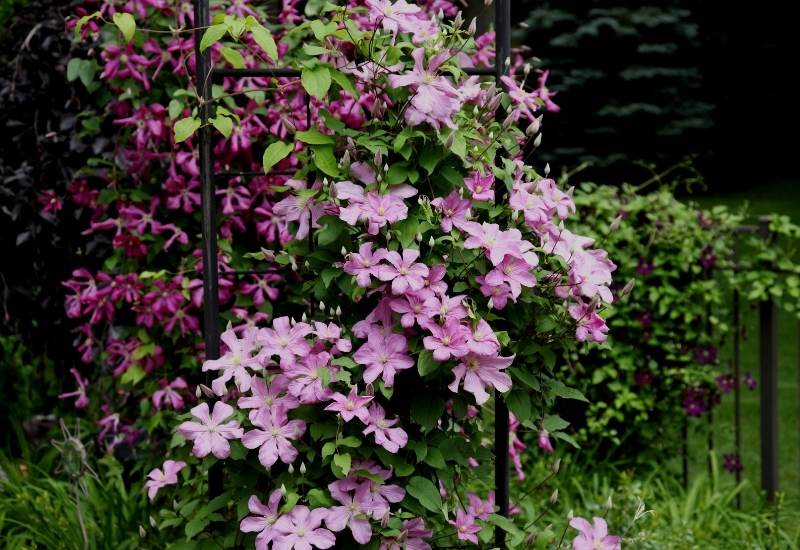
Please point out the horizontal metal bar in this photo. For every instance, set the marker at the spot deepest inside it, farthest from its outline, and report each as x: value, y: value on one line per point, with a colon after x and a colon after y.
x: 243, y: 273
x: 248, y: 174
x: 288, y: 72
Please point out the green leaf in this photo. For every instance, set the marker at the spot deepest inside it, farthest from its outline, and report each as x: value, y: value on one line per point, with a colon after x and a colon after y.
x: 435, y: 458
x: 325, y: 160
x: 275, y: 153
x: 425, y: 492
x: 316, y: 80
x: 212, y: 36
x: 185, y: 127
x: 265, y: 41
x: 85, y: 19
x: 426, y: 364
x: 429, y: 158
x: 125, y: 24
x: 519, y: 403
x: 328, y: 449
x: 196, y: 526
x: 426, y: 410
x: 233, y: 57
x: 133, y: 375
x: 344, y: 82
x: 342, y: 461
x: 223, y: 124
x: 553, y: 423
x: 73, y: 68
x: 314, y: 137
x: 560, y: 390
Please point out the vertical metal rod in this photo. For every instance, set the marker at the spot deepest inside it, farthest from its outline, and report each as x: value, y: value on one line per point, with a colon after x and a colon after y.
x: 768, y: 332
x: 737, y: 403
x: 502, y: 27
x: 202, y: 19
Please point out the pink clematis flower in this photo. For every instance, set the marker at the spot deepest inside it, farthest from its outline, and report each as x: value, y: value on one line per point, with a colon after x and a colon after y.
x: 394, y: 17
x: 161, y: 478
x: 269, y: 395
x: 82, y: 400
x: 593, y: 536
x: 497, y: 243
x: 263, y: 519
x: 273, y: 440
x: 479, y: 508
x: 332, y: 333
x: 481, y: 186
x: 466, y: 529
x: 433, y: 98
x: 383, y: 355
x: 364, y: 264
x: 300, y: 530
x: 354, y: 513
x: 302, y: 209
x: 391, y: 439
x: 211, y: 434
x: 515, y: 273
x: 168, y: 394
x: 412, y: 537
x: 447, y: 340
x: 590, y: 326
x: 544, y: 442
x: 235, y: 362
x: 410, y: 307
x: 483, y: 340
x: 306, y: 378
x: 285, y: 340
x: 454, y: 210
x: 403, y: 272
x: 480, y: 371
x: 445, y: 307
x: 350, y: 406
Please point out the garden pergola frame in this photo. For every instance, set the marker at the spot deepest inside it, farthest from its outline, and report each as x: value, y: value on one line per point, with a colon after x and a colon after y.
x: 206, y: 74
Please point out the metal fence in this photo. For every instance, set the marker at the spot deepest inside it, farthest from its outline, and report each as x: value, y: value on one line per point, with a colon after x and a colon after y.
x: 206, y: 74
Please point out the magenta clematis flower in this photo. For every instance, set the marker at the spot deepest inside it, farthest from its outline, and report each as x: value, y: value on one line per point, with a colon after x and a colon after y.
x: 285, y: 339
x: 478, y: 372
x: 354, y: 513
x: 435, y: 279
x: 447, y: 340
x: 168, y: 394
x: 454, y: 210
x: 269, y: 395
x: 263, y: 519
x: 306, y: 378
x: 593, y: 536
x: 376, y: 209
x: 350, y: 406
x: 235, y: 362
x: 159, y: 478
x: 544, y: 442
x: 332, y: 333
x: 299, y: 208
x: 211, y: 434
x: 482, y: 187
x: 466, y: 529
x: 479, y: 508
x: 364, y: 264
x: 515, y: 273
x: 273, y: 440
x: 391, y: 439
x: 383, y: 355
x: 403, y: 272
x: 590, y: 326
x: 445, y: 307
x: 433, y: 98
x: 82, y: 400
x: 300, y: 530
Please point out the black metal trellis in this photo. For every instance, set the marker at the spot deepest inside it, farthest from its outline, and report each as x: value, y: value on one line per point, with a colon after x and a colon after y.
x: 206, y: 74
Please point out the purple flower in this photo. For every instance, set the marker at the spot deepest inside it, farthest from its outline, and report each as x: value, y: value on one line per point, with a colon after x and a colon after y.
x: 169, y: 394
x: 364, y: 264
x: 350, y: 406
x: 705, y: 355
x: 263, y: 519
x: 285, y: 340
x: 454, y: 210
x: 544, y: 442
x: 593, y: 536
x: 354, y: 513
x: 383, y: 356
x: 82, y: 400
x: 447, y: 340
x: 391, y: 439
x: 644, y: 267
x: 162, y: 478
x: 726, y: 382
x: 481, y: 186
x: 732, y: 463
x: 480, y: 372
x: 300, y: 530
x: 403, y: 272
x: 479, y: 508
x: 269, y: 395
x: 210, y: 435
x: 235, y: 362
x: 274, y: 438
x: 466, y: 529
x: 749, y: 381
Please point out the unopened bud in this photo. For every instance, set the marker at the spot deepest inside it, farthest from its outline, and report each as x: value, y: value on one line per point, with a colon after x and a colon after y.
x: 153, y: 522
x: 628, y: 287
x: 609, y: 503
x: 208, y: 392
x: 554, y: 497
x: 508, y: 122
x: 538, y: 141
x: 556, y: 465
x: 378, y: 158
x: 346, y: 159
x: 458, y: 20
x: 343, y: 251
x: 291, y: 468
x: 526, y: 69
x: 491, y: 135
x: 303, y: 468
x: 547, y: 169
x: 282, y: 489
x: 293, y: 264
x: 325, y: 182
x: 197, y: 392
x: 533, y: 128
x: 321, y: 305
x: 473, y: 26
x: 508, y: 62
x: 379, y: 178
x: 331, y: 311
x: 338, y: 311
x: 143, y: 533
x: 570, y: 514
x: 418, y: 237
x: 307, y: 264
x: 475, y: 110
x: 515, y: 215
x: 431, y: 242
x: 303, y: 317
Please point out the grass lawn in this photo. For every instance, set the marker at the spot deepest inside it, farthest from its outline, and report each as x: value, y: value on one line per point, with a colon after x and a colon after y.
x: 783, y: 198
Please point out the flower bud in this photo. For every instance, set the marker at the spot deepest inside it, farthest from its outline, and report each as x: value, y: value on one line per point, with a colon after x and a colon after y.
x: 628, y: 287
x: 303, y: 317
x: 197, y: 392
x: 554, y: 497
x: 508, y: 122
x: 473, y: 26
x: 418, y: 237
x: 338, y: 311
x: 142, y: 532
x: 533, y: 128
x: 346, y: 160
x: 208, y: 392
x: 321, y: 305
x: 289, y: 125
x: 283, y: 489
x: 378, y: 158
x: 331, y: 311
x: 609, y: 503
x: 475, y: 110
x: 526, y: 69
x: 538, y: 141
x: 379, y: 178
x: 547, y: 169
x: 343, y: 251
x: 153, y: 522
x: 303, y: 468
x: 386, y: 167
x: 514, y: 215
x: 291, y: 468
x: 431, y: 242
x: 458, y: 20
x: 556, y: 466
x: 491, y: 135
x: 306, y: 264
x: 451, y: 139
x: 570, y: 514
x: 615, y: 224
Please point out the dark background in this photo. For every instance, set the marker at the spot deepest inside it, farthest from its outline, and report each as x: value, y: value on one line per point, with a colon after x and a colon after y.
x: 659, y: 82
